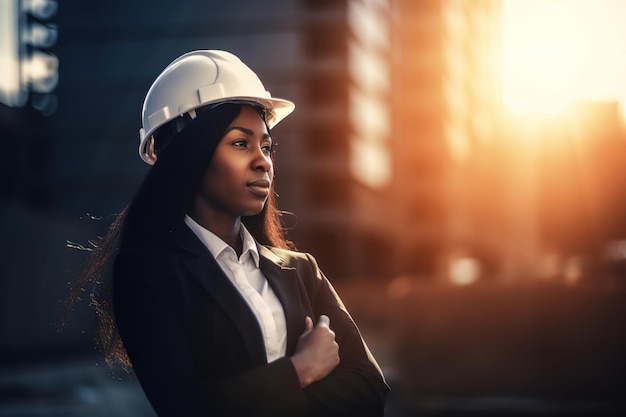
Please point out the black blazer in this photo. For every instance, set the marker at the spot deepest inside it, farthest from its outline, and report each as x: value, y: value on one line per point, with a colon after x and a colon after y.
x: 197, y: 348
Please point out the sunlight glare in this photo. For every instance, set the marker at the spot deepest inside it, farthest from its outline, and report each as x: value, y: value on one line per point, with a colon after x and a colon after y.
x: 556, y: 52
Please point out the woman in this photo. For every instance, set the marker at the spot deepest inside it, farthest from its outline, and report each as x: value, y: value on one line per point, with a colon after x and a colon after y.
x: 215, y: 312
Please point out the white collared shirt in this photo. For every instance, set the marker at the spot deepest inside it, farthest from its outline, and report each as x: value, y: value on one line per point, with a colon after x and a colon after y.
x: 246, y: 276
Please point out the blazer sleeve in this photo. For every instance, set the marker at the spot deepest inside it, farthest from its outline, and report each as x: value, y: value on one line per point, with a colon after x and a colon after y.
x: 153, y: 331
x: 357, y: 386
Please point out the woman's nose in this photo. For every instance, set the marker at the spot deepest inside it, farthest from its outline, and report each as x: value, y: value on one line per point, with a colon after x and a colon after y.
x: 262, y: 160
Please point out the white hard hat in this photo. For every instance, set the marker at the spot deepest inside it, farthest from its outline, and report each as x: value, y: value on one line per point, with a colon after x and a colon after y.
x: 199, y: 78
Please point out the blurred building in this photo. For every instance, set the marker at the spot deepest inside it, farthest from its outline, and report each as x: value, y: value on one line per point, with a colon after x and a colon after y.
x: 343, y: 205
x: 445, y: 96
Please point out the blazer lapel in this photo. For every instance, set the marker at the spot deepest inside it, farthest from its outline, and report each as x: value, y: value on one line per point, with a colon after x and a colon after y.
x: 212, y: 278
x: 285, y: 283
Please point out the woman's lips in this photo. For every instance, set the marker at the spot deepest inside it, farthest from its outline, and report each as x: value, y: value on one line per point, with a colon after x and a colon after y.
x: 259, y: 187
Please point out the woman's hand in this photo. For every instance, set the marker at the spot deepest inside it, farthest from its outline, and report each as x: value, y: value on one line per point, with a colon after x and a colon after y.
x: 317, y: 353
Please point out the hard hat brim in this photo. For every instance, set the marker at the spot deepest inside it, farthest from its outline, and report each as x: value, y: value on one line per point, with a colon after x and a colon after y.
x: 279, y: 108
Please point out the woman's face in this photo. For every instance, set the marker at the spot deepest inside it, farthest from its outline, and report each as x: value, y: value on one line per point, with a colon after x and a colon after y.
x: 238, y: 179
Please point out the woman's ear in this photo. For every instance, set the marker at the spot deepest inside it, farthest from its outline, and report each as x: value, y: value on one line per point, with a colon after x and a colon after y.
x: 151, y: 152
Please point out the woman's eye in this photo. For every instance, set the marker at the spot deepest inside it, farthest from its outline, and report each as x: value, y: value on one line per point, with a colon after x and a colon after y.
x: 268, y: 149
x: 240, y: 143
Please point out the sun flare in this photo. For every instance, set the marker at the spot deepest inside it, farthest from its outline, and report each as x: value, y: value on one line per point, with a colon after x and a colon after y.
x: 556, y: 52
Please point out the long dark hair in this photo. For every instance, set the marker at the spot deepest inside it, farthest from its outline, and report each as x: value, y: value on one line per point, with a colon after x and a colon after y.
x: 160, y: 202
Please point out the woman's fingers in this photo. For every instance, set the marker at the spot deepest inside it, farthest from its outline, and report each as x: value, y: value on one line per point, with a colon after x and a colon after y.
x: 317, y: 352
x: 308, y: 324
x: 324, y: 321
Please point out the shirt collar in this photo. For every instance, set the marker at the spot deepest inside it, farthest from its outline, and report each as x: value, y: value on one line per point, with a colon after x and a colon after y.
x: 216, y: 245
